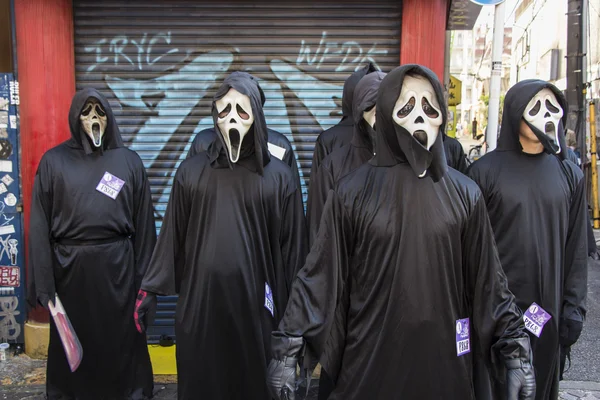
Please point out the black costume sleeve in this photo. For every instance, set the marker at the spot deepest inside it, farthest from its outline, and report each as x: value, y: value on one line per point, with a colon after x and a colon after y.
x: 575, y: 281
x: 166, y: 266
x: 145, y: 230
x: 319, y: 286
x: 320, y: 184
x: 193, y: 149
x: 497, y: 320
x: 293, y: 237
x: 290, y: 159
x: 319, y: 154
x: 461, y: 160
x: 41, y: 285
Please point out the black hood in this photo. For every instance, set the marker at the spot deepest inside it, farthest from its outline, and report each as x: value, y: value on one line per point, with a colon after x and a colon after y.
x: 112, y: 135
x: 515, y: 102
x: 395, y: 144
x: 350, y: 85
x: 365, y: 97
x: 254, y: 153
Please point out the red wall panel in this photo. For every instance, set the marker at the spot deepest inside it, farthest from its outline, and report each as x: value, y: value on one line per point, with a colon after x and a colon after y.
x: 424, y: 33
x: 46, y: 73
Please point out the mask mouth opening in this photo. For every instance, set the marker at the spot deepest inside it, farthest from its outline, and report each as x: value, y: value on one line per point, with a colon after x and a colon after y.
x: 421, y: 137
x: 550, y: 131
x: 234, y: 140
x: 96, y: 133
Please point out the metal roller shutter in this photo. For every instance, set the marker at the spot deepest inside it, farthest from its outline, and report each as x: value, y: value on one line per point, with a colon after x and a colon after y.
x: 160, y: 62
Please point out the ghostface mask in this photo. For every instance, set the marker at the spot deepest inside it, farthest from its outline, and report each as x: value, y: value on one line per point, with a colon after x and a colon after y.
x: 543, y: 112
x: 234, y: 120
x: 93, y: 121
x: 417, y: 110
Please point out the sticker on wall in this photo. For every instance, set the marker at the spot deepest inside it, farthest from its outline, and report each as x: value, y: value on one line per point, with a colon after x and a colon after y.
x: 7, y: 291
x: 3, y: 119
x: 7, y: 179
x: 9, y: 276
x: 5, y: 230
x: 3, y: 188
x: 10, y: 200
x: 3, y: 104
x: 10, y: 249
x: 6, y: 166
x: 3, y: 133
x: 13, y: 121
x: 14, y: 92
x: 5, y: 149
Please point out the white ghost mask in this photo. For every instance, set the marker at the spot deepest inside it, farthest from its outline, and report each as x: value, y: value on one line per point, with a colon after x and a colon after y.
x: 544, y: 112
x: 93, y: 121
x: 234, y: 120
x: 369, y: 116
x: 418, y: 111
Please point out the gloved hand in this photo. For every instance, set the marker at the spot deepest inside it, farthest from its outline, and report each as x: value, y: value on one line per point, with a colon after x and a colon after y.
x: 520, y: 382
x: 569, y: 331
x: 281, y: 378
x: 145, y: 309
x: 281, y: 372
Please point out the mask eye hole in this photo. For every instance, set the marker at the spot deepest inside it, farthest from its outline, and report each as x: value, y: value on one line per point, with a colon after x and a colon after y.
x: 243, y: 114
x: 428, y: 109
x: 551, y: 107
x: 407, y: 109
x: 536, y: 109
x: 225, y: 111
x: 100, y: 111
x: 87, y: 110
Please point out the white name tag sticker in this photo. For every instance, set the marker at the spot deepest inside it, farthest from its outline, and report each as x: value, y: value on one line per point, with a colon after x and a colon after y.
x: 110, y: 185
x: 277, y: 151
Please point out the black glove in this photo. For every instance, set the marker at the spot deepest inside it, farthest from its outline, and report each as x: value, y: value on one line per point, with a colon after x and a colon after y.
x: 520, y: 382
x: 145, y: 309
x: 281, y: 373
x: 569, y: 331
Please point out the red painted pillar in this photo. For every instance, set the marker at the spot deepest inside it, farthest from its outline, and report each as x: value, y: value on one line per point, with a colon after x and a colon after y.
x: 424, y: 33
x: 46, y: 71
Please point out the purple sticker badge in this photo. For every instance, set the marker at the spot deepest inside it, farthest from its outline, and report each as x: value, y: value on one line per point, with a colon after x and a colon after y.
x: 269, y: 304
x: 110, y: 185
x: 535, y: 318
x: 463, y: 337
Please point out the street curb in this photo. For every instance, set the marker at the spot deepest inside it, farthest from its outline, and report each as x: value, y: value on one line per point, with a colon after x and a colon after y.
x: 580, y: 385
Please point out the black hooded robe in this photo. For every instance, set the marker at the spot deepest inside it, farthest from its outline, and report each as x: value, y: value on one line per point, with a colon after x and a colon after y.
x: 230, y: 231
x: 346, y: 158
x: 537, y: 207
x: 340, y: 134
x: 407, y: 258
x: 455, y: 154
x: 93, y: 252
x: 205, y: 137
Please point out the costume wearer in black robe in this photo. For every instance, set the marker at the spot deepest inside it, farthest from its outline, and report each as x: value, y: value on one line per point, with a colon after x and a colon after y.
x: 205, y: 137
x: 537, y: 208
x: 346, y: 158
x: 229, y: 230
x: 338, y: 164
x: 341, y: 134
x: 93, y: 251
x: 455, y: 154
x: 398, y: 260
